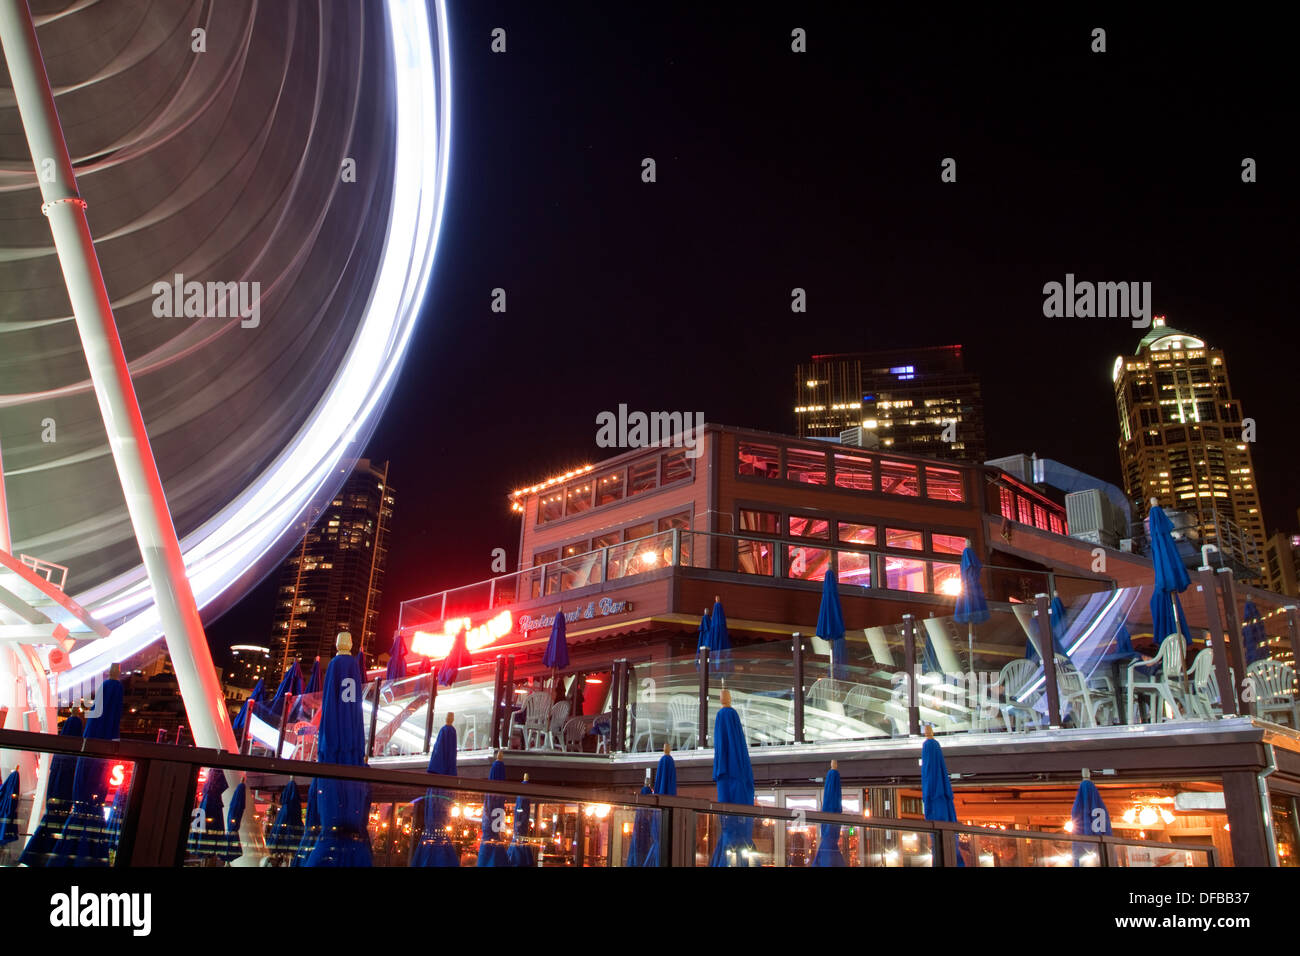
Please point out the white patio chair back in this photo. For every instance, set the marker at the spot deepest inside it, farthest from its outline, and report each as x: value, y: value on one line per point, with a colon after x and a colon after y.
x: 683, y: 720
x: 820, y: 647
x: 558, y: 714
x: 1165, y: 687
x: 537, y: 706
x: 879, y: 644
x: 941, y: 641
x: 1202, y: 691
x: 1272, y: 680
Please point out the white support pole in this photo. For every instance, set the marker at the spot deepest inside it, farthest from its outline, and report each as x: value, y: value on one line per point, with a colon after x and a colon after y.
x: 136, y: 468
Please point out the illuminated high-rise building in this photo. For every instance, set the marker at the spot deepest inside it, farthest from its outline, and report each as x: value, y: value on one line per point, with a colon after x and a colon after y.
x: 333, y: 580
x: 918, y: 401
x: 1181, y: 441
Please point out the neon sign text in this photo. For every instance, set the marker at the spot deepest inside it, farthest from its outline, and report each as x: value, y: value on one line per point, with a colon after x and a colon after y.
x: 438, y: 645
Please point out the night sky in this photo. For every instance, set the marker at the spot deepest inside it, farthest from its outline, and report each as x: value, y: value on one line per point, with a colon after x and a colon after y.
x: 822, y: 170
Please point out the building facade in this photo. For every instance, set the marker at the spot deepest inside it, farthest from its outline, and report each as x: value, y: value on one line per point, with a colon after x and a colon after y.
x: 1181, y: 441
x: 334, y: 579
x: 1281, y: 560
x: 914, y: 401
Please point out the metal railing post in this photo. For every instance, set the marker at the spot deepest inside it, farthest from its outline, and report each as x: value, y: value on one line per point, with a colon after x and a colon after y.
x: 797, y: 700
x: 508, y: 702
x: 618, y: 732
x: 428, y: 710
x: 909, y: 662
x: 1048, y: 652
x: 498, y: 679
x: 284, y: 722
x: 702, y: 737
x: 1232, y: 625
x: 374, y: 719
x: 1218, y: 642
x: 677, y: 547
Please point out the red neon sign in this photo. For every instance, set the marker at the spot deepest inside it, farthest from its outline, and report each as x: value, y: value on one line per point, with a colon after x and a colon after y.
x: 437, y: 644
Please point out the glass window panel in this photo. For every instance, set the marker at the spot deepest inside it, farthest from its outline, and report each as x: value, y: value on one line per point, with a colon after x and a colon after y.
x: 676, y: 466
x: 759, y: 461
x: 643, y: 476
x: 853, y: 471
x: 682, y: 520
x: 578, y: 547
x: 605, y: 540
x: 1057, y: 524
x: 580, y: 571
x: 806, y: 527
x: 577, y: 498
x: 765, y: 522
x: 947, y: 543
x: 545, y: 557
x: 638, y: 531
x: 903, y: 538
x: 1040, y: 517
x: 806, y: 564
x: 943, y: 484
x: 808, y: 467
x: 855, y: 568
x: 947, y: 578
x: 754, y: 557
x: 1026, y: 515
x: 550, y: 506
x: 851, y: 533
x: 609, y: 488
x: 1007, y: 503
x: 902, y: 574
x: 899, y: 478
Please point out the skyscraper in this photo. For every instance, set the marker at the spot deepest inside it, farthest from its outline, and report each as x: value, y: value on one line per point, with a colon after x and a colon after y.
x: 1181, y: 440
x: 333, y: 580
x: 921, y: 401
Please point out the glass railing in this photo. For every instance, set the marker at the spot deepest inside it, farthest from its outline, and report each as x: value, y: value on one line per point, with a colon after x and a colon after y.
x: 406, y: 720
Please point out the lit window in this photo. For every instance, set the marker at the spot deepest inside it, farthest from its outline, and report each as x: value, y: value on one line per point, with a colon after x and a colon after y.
x: 903, y: 538
x: 947, y: 543
x: 806, y: 564
x: 807, y: 467
x: 758, y: 461
x: 853, y: 471
x: 764, y: 522
x: 806, y: 527
x: 851, y: 533
x: 943, y: 484
x: 899, y: 478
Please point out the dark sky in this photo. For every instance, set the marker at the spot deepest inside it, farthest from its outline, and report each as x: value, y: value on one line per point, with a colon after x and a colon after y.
x: 822, y: 170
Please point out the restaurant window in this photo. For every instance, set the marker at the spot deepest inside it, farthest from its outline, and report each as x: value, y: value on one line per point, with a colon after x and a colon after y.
x: 546, y: 581
x: 1040, y: 517
x: 806, y: 467
x: 578, y: 547
x: 642, y: 476
x: 903, y: 538
x: 898, y: 478
x: 681, y: 521
x: 550, y: 507
x: 943, y: 484
x: 609, y: 488
x: 676, y: 466
x: 635, y: 531
x: 579, y: 571
x: 758, y: 461
x: 604, y: 540
x: 802, y: 526
x: 904, y: 575
x: 851, y: 533
x: 854, y: 568
x: 947, y: 578
x: 764, y: 522
x: 754, y: 557
x: 806, y: 564
x: 1007, y: 503
x: 1026, y: 514
x: 947, y: 543
x: 577, y: 498
x: 853, y: 471
x: 1058, y: 526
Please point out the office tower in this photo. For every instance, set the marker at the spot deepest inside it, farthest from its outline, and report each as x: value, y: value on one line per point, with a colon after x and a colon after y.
x: 1181, y: 441
x: 333, y: 580
x: 919, y: 401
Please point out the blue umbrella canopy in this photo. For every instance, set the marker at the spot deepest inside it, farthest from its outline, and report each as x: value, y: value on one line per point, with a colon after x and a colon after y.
x: 1056, y: 619
x: 396, y: 659
x: 9, y: 809
x: 1171, y: 579
x: 642, y: 837
x: 457, y: 658
x: 828, y: 844
x: 734, y: 775
x: 344, y: 805
x: 1089, y: 815
x: 492, y: 848
x: 706, y: 629
x: 971, y: 606
x: 520, y: 853
x: 286, y: 831
x: 238, y: 803
x: 290, y: 686
x: 58, y: 800
x: 936, y: 786
x: 299, y: 711
x: 254, y: 699
x: 719, y: 640
x: 665, y: 785
x: 557, y: 648
x: 311, y: 829
x: 1253, y: 636
x: 85, y: 834
x: 830, y: 624
x: 208, y: 823
x: 434, y: 847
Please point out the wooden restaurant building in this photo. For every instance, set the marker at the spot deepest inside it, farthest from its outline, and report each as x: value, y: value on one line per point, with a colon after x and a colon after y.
x: 632, y: 550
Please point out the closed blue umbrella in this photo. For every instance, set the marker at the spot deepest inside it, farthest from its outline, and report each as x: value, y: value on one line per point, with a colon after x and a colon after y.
x: 719, y: 640
x: 492, y: 847
x: 238, y: 802
x: 254, y: 699
x: 706, y: 629
x: 311, y: 828
x: 290, y: 686
x: 830, y: 624
x: 1253, y: 635
x: 208, y: 824
x: 734, y: 775
x: 665, y: 785
x: 828, y: 844
x: 1089, y: 815
x: 85, y: 834
x: 58, y: 800
x: 642, y: 836
x: 1171, y: 579
x: 299, y: 711
x: 556, y: 656
x: 971, y: 608
x: 286, y: 831
x: 520, y: 852
x: 1056, y: 620
x: 396, y: 659
x: 457, y: 658
x: 9, y: 808
x: 434, y: 847
x: 344, y: 804
x: 936, y: 786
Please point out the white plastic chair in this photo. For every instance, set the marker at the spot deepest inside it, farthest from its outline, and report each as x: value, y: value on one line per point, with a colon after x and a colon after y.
x: 1018, y: 715
x: 1202, y: 695
x: 556, y: 717
x: 537, y: 707
x: 1162, y: 687
x: 644, y: 726
x: 1273, y: 683
x: 879, y: 644
x: 683, y: 721
x: 941, y: 641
